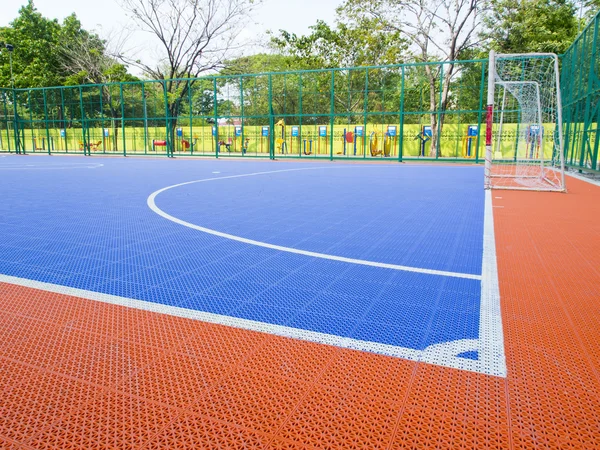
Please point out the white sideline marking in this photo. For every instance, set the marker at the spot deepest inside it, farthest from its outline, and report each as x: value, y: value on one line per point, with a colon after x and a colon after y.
x: 44, y: 166
x: 152, y: 205
x: 438, y: 354
x: 490, y: 344
x: 491, y: 336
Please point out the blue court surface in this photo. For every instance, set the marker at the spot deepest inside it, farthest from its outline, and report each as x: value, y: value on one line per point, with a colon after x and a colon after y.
x: 389, y: 255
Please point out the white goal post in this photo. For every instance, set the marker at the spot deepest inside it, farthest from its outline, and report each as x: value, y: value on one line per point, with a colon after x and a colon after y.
x: 524, y: 134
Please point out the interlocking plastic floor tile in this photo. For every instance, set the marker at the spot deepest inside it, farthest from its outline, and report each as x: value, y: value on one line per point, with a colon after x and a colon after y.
x: 77, y: 373
x: 192, y: 432
x: 110, y: 420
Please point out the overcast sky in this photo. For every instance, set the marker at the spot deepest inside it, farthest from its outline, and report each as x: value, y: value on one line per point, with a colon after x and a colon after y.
x: 105, y: 16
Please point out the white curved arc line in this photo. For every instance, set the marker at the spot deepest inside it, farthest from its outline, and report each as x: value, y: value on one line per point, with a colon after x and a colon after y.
x: 152, y: 205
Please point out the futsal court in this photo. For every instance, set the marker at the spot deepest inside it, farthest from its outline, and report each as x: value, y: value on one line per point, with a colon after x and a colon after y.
x: 152, y: 303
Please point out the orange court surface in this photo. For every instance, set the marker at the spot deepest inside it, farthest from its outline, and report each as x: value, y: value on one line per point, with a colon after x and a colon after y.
x: 85, y: 373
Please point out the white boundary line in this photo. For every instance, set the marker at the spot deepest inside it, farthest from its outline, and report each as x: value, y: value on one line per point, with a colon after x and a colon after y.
x: 58, y: 166
x: 490, y: 344
x: 152, y: 205
x: 491, y: 336
x: 438, y: 354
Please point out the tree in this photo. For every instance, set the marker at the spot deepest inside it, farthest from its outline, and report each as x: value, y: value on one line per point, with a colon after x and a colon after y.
x: 437, y: 30
x: 365, y: 42
x: 259, y: 63
x: 49, y: 53
x: 522, y: 26
x: 194, y: 37
x: 85, y: 57
x: 35, y: 62
x: 588, y: 9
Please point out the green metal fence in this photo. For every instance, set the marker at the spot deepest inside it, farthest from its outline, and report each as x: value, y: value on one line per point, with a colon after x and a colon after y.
x: 389, y: 112
x: 386, y: 112
x: 580, y: 83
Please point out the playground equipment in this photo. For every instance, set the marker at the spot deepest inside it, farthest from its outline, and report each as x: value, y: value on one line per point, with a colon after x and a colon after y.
x: 227, y: 144
x: 295, y: 136
x: 389, y: 140
x: 106, y: 136
x: 352, y: 138
x: 264, y: 137
x: 347, y: 137
x: 63, y: 135
x: 373, y: 144
x: 310, y: 142
x: 36, y: 142
x: 181, y: 143
x: 280, y: 144
x: 82, y: 145
x: 322, y: 136
x: 425, y: 136
x: 238, y: 133
x: 158, y: 143
x: 245, y: 145
x: 472, y: 133
x: 533, y: 141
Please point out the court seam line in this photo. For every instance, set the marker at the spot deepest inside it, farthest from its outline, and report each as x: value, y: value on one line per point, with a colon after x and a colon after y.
x: 151, y: 202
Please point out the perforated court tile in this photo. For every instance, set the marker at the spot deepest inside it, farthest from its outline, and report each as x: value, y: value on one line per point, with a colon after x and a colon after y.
x: 81, y: 373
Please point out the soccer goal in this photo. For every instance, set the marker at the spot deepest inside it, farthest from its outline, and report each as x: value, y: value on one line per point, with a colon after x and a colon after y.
x: 524, y: 136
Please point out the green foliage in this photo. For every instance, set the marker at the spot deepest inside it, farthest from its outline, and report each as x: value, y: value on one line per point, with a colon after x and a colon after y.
x: 359, y: 43
x: 39, y: 51
x: 34, y: 57
x: 259, y: 63
x: 520, y: 26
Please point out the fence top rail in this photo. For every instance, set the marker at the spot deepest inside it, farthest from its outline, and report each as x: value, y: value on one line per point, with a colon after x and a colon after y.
x: 522, y: 55
x: 261, y: 74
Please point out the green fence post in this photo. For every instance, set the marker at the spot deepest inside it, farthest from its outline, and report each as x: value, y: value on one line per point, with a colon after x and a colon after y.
x: 63, y: 113
x: 588, y: 101
x: 271, y: 120
x: 439, y: 114
x: 242, y: 114
x: 83, y: 136
x: 101, y: 95
x: 30, y: 121
x: 191, y: 138
x: 167, y: 120
x: 365, y: 109
x: 7, y: 122
x: 216, y: 112
x: 300, y: 151
x: 401, y: 125
x: 479, y: 116
x: 574, y: 125
x: 16, y: 124
x: 145, y: 112
x: 122, y: 98
x: 46, y: 120
x: 331, y: 114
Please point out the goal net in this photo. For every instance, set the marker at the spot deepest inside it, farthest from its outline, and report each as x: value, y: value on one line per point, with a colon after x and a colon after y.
x: 524, y: 142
